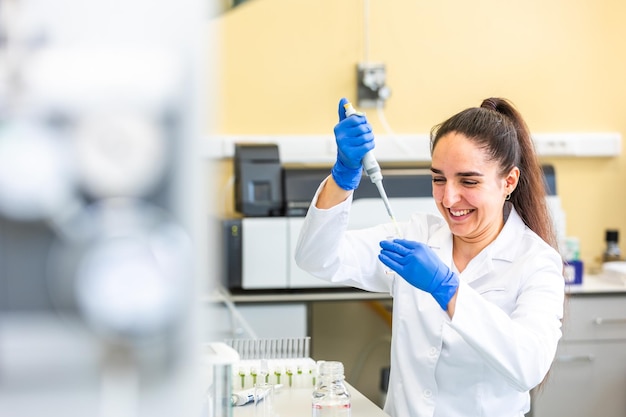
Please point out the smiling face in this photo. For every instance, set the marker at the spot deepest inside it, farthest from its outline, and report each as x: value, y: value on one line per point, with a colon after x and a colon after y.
x: 469, y: 189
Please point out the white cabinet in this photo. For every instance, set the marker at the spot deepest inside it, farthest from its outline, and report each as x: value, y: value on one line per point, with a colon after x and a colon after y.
x: 588, y: 377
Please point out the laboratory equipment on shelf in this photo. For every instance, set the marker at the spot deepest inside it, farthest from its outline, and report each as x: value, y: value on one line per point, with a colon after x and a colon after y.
x: 255, y: 246
x: 257, y: 250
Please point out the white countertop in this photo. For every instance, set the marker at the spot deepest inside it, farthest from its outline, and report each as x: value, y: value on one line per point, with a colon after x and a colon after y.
x: 597, y: 284
x: 296, y: 402
x: 592, y: 284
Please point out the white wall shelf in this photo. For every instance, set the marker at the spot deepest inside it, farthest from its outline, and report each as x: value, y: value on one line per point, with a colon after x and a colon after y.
x: 605, y: 144
x: 408, y: 147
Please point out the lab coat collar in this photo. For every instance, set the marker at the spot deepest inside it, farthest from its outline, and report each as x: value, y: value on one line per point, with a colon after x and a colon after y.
x: 503, y: 248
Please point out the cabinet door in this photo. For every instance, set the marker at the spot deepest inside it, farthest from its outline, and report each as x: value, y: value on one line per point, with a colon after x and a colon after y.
x: 586, y: 379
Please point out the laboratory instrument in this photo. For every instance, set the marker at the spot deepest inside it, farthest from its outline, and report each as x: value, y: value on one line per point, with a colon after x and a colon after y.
x: 331, y: 397
x: 258, y: 181
x: 372, y: 169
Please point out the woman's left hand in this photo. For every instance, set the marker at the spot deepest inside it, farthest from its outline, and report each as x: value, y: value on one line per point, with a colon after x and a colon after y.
x: 420, y: 267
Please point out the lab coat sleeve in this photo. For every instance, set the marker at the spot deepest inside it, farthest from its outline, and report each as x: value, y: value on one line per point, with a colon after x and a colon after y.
x: 326, y: 250
x: 520, y: 346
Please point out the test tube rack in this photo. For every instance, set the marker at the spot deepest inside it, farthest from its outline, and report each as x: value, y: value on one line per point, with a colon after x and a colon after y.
x: 283, y: 361
x: 277, y: 348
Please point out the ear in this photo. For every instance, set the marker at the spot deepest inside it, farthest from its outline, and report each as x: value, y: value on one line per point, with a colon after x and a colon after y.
x: 511, y: 179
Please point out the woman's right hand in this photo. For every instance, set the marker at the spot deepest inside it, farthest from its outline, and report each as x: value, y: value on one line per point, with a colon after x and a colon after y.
x: 354, y: 138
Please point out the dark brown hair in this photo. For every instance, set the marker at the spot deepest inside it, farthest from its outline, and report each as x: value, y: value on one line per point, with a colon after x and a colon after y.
x: 498, y: 128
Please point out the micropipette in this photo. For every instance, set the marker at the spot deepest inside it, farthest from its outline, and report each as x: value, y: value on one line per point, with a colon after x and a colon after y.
x: 372, y: 169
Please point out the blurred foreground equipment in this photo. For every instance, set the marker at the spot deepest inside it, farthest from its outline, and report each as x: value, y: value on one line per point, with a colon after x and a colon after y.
x: 99, y: 114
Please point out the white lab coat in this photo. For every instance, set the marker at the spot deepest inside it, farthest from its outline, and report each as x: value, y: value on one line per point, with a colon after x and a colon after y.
x: 506, y: 326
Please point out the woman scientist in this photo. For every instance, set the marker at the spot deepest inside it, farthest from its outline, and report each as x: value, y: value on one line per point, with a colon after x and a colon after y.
x: 478, y: 292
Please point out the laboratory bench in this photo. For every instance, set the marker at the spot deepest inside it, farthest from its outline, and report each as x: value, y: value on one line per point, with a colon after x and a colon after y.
x: 296, y: 402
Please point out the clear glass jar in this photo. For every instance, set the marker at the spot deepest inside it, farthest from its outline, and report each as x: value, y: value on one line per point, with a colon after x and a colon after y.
x: 331, y: 397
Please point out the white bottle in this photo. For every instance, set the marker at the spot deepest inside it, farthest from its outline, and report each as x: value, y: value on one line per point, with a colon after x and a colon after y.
x: 331, y: 397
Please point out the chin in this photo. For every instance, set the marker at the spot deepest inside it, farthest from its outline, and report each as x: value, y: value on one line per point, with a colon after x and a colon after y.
x: 457, y: 229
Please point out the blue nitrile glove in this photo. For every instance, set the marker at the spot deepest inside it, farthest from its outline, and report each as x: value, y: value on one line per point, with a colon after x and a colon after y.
x: 420, y: 267
x: 354, y: 139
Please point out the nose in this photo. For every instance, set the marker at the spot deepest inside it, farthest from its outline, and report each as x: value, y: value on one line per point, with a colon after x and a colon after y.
x: 450, y: 195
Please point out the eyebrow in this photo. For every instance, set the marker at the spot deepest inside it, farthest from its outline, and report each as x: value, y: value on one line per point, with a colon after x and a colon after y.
x: 458, y: 174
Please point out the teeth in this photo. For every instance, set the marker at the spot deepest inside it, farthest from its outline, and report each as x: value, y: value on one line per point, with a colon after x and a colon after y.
x: 460, y: 212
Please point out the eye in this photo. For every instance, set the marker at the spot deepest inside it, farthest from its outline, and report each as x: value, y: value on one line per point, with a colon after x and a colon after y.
x: 469, y: 183
x: 439, y: 180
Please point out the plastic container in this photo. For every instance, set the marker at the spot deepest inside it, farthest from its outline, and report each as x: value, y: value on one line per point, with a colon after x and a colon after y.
x: 331, y: 397
x: 573, y: 270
